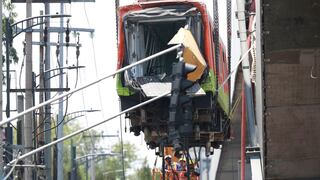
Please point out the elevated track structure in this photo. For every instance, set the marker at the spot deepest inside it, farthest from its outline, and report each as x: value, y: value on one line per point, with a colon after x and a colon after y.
x: 286, y: 91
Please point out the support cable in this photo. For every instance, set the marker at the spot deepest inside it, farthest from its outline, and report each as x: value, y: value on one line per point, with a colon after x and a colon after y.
x: 77, y: 57
x: 22, y: 63
x: 117, y: 19
x: 229, y: 31
x: 216, y: 42
x: 96, y: 71
x: 235, y: 68
x: 87, y: 128
x: 216, y: 39
x: 90, y: 84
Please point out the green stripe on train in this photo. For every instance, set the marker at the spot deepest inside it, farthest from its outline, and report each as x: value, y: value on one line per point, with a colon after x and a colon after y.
x: 122, y: 91
x: 208, y: 85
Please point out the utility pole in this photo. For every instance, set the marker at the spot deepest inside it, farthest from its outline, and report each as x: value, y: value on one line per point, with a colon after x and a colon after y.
x: 122, y: 151
x: 20, y: 127
x: 60, y: 115
x: 8, y: 130
x: 41, y: 123
x: 92, y: 166
x: 73, y: 173
x: 47, y: 84
x: 28, y: 124
x: 87, y: 167
x: 1, y: 101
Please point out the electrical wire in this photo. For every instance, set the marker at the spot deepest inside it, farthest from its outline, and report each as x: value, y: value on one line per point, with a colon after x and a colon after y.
x: 66, y: 99
x: 57, y: 54
x: 86, y: 118
x: 22, y: 64
x: 13, y: 126
x: 64, y: 116
x: 77, y: 57
x: 94, y: 57
x: 85, y: 12
x: 96, y: 70
x: 41, y: 124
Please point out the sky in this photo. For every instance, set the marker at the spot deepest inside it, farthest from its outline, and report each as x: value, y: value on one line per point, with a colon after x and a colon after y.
x: 98, y: 55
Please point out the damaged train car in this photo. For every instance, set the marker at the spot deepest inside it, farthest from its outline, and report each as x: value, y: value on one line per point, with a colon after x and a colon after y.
x: 146, y: 28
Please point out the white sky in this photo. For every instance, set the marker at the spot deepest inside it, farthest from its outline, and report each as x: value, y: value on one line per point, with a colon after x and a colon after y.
x: 101, y: 17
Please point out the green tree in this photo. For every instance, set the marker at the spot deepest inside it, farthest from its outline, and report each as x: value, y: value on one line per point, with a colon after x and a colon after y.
x: 8, y: 8
x: 143, y: 173
x: 111, y: 168
x: 106, y: 168
x: 83, y: 147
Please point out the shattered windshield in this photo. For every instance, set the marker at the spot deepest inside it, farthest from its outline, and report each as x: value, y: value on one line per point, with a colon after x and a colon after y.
x: 148, y: 31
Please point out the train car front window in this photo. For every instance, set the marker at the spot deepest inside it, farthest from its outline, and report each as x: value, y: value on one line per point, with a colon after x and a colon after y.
x: 148, y: 31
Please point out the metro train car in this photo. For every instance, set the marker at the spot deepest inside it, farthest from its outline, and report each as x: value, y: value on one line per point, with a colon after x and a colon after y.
x: 147, y: 27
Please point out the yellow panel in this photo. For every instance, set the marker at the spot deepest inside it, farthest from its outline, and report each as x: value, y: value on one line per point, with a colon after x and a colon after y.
x: 191, y: 52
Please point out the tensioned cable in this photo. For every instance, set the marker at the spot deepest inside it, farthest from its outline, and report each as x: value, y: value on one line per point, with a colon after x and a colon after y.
x: 87, y: 128
x: 234, y: 69
x: 22, y: 64
x: 94, y: 57
x: 85, y: 116
x: 96, y: 70
x: 90, y: 84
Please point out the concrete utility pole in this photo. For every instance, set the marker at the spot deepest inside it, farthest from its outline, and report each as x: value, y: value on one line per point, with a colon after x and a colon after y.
x: 47, y: 84
x: 41, y: 141
x: 28, y: 122
x: 92, y: 167
x: 60, y: 115
x: 20, y: 127
x: 1, y: 100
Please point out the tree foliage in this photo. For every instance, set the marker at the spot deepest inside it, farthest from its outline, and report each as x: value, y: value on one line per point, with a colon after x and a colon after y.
x: 143, y: 173
x: 112, y: 166
x: 107, y: 167
x: 8, y: 8
x: 83, y: 145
